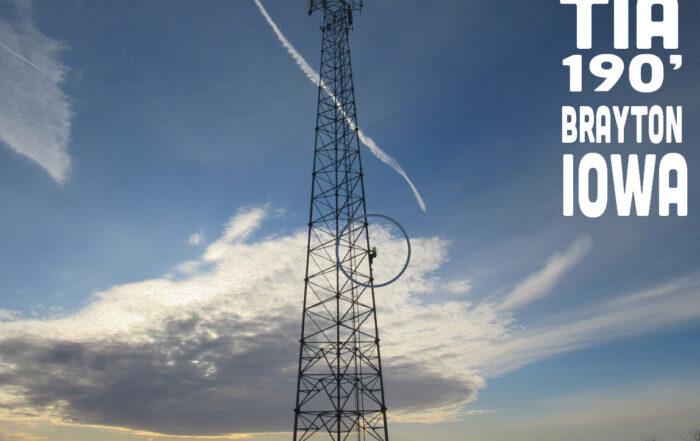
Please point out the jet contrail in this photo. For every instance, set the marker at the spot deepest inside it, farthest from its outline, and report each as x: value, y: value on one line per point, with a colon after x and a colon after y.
x: 314, y: 77
x: 22, y: 58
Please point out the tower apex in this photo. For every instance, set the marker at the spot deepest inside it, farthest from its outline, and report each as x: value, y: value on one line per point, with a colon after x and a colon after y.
x: 353, y: 5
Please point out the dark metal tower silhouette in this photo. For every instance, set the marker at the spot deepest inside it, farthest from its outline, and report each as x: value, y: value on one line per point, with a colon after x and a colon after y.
x: 340, y: 390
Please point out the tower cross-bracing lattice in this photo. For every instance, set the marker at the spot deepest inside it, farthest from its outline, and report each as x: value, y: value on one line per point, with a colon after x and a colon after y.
x: 340, y: 390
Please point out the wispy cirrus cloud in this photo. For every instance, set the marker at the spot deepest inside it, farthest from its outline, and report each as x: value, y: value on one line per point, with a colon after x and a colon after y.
x: 35, y: 113
x: 541, y: 283
x: 623, y: 316
x: 214, y: 351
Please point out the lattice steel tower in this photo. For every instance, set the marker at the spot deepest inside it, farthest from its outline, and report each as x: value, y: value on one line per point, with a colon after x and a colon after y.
x: 340, y: 390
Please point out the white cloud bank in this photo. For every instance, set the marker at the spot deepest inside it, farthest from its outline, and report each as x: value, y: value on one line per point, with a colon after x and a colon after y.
x: 215, y: 351
x: 35, y: 114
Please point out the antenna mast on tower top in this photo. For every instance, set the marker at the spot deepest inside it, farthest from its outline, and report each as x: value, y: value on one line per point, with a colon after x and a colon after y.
x: 340, y: 389
x: 353, y: 5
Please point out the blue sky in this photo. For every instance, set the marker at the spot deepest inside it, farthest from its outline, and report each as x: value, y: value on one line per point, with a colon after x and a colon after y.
x: 190, y: 118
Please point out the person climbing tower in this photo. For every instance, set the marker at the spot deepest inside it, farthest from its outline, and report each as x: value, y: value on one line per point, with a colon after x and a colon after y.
x: 372, y: 254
